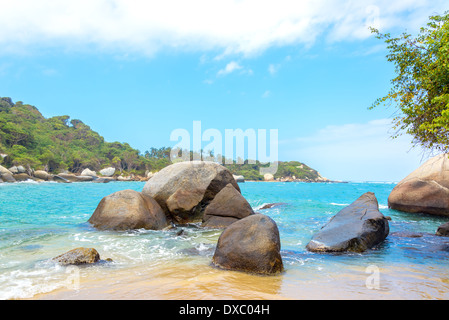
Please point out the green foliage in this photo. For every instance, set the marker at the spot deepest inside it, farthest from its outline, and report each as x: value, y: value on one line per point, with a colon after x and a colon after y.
x: 420, y: 89
x: 57, y: 144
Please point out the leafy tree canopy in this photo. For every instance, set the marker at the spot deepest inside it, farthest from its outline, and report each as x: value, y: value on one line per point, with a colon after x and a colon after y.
x: 420, y: 89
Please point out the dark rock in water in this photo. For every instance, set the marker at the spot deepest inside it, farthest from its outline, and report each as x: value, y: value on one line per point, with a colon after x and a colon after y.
x: 405, y: 234
x: 425, y: 190
x: 228, y: 206
x: 251, y: 244
x: 443, y: 230
x: 358, y: 227
x: 128, y: 209
x: 271, y: 205
x: 184, y: 189
x: 78, y: 256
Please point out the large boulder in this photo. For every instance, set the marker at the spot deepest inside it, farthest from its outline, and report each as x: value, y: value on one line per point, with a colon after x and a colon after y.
x: 107, y: 172
x: 251, y: 244
x: 78, y: 256
x: 6, y: 175
x: 128, y: 209
x: 22, y: 177
x: 239, y: 178
x: 41, y: 174
x: 357, y: 227
x: 424, y: 190
x: 88, y: 172
x: 227, y: 207
x: 184, y: 189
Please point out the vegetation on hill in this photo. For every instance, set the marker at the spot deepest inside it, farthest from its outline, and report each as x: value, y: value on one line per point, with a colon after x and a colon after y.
x: 59, y: 144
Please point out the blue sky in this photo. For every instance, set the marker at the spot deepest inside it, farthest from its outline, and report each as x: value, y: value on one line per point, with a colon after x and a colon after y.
x: 134, y: 71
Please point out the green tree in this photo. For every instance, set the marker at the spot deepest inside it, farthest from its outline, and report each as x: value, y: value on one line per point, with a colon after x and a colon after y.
x: 420, y: 89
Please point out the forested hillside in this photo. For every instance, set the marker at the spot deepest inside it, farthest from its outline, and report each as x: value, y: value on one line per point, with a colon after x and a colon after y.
x: 59, y: 144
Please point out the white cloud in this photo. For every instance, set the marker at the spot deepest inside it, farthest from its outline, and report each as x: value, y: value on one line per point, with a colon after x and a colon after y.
x: 233, y: 27
x: 230, y: 67
x: 266, y: 94
x: 356, y: 151
x: 273, y: 68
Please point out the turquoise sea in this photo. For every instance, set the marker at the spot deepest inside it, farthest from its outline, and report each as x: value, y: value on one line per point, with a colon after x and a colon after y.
x: 39, y: 221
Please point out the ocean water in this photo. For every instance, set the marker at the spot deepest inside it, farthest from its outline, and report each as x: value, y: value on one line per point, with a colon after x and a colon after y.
x: 39, y: 221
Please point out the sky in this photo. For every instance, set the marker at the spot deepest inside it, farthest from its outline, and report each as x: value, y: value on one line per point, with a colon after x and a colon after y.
x: 135, y: 71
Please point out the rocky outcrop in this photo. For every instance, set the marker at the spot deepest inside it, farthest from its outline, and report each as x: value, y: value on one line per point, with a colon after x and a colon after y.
x: 268, y: 177
x: 184, y: 189
x: 251, y: 244
x: 228, y: 206
x: 78, y: 256
x: 239, y: 178
x: 357, y: 227
x: 425, y: 190
x: 128, y: 209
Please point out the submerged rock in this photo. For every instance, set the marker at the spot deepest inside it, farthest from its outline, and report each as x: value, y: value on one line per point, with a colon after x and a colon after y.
x: 78, y: 256
x: 251, y: 244
x: 128, y: 209
x: 425, y: 190
x: 357, y: 227
x: 271, y: 205
x: 443, y: 230
x: 184, y: 189
x: 228, y: 206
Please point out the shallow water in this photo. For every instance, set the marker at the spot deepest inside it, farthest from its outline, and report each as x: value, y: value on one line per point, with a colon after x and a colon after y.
x: 41, y: 221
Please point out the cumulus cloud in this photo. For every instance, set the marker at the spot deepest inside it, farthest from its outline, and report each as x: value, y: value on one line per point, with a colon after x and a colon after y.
x: 232, y: 27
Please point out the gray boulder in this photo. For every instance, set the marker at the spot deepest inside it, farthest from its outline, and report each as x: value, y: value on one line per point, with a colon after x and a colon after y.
x: 357, y: 227
x: 184, y: 189
x: 107, y: 172
x: 251, y: 244
x: 128, y: 209
x: 228, y: 206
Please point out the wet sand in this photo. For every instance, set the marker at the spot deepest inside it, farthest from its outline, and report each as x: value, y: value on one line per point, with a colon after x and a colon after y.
x: 204, y: 282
